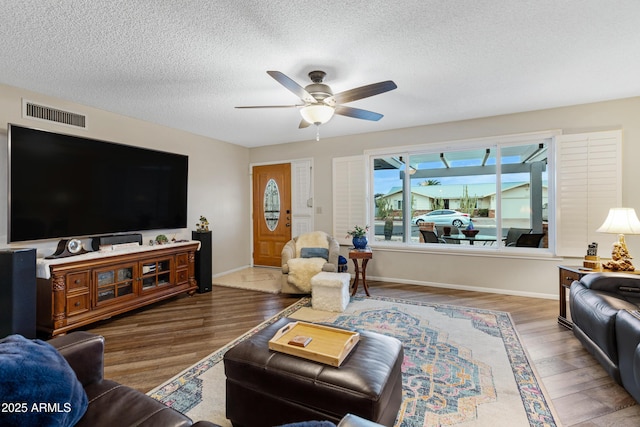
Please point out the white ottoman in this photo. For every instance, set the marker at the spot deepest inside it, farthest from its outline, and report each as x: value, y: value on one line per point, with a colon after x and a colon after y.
x: 330, y: 291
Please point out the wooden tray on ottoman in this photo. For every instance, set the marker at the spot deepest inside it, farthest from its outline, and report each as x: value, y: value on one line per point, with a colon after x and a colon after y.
x: 319, y: 343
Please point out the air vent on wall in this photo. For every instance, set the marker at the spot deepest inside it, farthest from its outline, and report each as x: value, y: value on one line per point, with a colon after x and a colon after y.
x: 50, y: 114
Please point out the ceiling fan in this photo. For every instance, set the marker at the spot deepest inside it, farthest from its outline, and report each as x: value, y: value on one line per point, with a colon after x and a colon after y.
x: 320, y: 103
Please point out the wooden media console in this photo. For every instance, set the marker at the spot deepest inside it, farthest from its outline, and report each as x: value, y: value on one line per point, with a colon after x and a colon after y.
x: 79, y: 290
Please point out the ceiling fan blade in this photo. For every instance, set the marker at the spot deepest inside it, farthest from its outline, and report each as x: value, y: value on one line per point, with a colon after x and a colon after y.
x: 271, y: 106
x: 304, y: 124
x: 292, y: 86
x: 363, y: 92
x: 357, y: 113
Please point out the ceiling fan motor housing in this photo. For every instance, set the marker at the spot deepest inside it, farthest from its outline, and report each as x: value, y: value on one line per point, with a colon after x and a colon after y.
x: 317, y: 89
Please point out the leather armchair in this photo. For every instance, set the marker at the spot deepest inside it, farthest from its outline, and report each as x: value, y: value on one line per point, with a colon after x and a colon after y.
x: 628, y: 330
x: 595, y: 303
x: 292, y: 250
x: 112, y: 404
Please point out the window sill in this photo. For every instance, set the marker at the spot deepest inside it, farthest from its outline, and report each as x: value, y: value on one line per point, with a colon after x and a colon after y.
x: 467, y: 250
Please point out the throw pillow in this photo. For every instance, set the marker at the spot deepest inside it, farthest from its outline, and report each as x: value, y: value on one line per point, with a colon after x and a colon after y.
x: 314, y: 253
x: 37, y: 385
x: 313, y: 239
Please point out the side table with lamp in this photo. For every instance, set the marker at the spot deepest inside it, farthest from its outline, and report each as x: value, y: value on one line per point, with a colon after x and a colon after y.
x: 619, y: 221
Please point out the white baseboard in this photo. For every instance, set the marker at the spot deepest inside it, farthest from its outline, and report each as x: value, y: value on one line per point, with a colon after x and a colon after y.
x: 435, y: 285
x: 241, y: 268
x: 465, y: 287
x: 224, y: 273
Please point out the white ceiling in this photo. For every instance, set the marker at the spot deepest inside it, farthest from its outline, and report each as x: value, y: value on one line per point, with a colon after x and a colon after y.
x: 187, y: 64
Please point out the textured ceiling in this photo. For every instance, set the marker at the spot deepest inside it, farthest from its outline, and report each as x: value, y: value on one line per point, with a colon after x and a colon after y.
x: 187, y: 64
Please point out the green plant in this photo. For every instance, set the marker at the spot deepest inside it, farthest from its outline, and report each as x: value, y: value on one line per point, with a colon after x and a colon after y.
x: 413, y: 205
x: 161, y: 239
x: 438, y: 203
x: 385, y: 208
x: 358, y: 231
x: 388, y: 228
x: 467, y: 203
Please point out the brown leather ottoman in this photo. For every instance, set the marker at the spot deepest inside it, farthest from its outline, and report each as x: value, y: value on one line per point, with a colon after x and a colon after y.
x: 269, y: 388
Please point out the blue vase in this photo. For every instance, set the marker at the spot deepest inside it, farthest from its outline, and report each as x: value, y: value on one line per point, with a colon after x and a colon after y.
x: 360, y: 242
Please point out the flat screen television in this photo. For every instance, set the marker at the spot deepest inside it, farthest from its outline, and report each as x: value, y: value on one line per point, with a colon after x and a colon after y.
x: 63, y: 186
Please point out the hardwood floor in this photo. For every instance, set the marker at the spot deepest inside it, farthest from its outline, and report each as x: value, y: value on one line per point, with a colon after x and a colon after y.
x: 148, y: 346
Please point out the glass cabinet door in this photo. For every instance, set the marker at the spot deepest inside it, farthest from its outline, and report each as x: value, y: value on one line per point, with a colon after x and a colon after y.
x: 113, y: 283
x: 156, y: 273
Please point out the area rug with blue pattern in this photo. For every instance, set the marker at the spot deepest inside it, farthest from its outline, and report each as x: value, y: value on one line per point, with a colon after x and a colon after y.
x: 462, y: 366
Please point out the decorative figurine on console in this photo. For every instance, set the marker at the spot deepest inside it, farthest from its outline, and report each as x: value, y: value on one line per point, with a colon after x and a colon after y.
x: 161, y: 239
x: 620, y: 258
x: 592, y: 260
x: 203, y: 225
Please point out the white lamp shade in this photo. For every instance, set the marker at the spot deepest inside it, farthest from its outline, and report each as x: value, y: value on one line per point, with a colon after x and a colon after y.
x: 621, y: 221
x: 317, y: 114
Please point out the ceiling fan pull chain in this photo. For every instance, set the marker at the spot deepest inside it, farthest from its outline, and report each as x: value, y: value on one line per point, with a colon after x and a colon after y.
x: 317, y: 132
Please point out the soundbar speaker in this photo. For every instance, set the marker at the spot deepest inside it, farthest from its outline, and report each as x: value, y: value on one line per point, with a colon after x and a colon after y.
x: 18, y: 292
x: 204, y: 268
x: 115, y: 239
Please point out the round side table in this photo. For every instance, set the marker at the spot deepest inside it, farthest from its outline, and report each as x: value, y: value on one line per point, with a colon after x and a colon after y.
x: 365, y: 255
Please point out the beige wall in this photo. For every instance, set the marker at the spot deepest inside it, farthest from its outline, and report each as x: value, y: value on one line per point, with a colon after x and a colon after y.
x: 522, y: 275
x: 220, y: 189
x: 218, y: 173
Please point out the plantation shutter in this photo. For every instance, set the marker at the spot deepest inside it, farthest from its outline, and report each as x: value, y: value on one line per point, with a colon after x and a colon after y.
x: 588, y: 183
x: 302, y: 220
x: 349, y: 196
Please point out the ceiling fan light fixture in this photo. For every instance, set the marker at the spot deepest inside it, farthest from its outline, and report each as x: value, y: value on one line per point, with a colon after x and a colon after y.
x: 317, y: 114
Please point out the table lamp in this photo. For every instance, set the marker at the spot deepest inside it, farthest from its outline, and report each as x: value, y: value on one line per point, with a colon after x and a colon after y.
x: 620, y: 221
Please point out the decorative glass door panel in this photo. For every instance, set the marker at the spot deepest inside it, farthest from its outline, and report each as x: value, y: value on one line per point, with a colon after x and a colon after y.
x: 156, y: 273
x: 113, y: 283
x: 272, y: 205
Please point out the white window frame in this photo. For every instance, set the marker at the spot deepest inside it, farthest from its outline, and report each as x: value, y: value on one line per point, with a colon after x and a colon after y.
x: 463, y: 145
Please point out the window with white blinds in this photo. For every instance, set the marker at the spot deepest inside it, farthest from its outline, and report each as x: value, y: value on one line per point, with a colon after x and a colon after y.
x: 589, y: 181
x: 349, y: 196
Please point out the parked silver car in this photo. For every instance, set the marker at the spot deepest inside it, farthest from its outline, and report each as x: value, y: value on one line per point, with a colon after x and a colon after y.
x: 443, y: 217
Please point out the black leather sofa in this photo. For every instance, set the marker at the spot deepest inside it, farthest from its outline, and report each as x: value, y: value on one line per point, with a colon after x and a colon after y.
x: 604, y: 310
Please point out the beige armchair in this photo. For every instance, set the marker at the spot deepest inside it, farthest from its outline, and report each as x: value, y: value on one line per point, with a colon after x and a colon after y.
x: 304, y: 256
